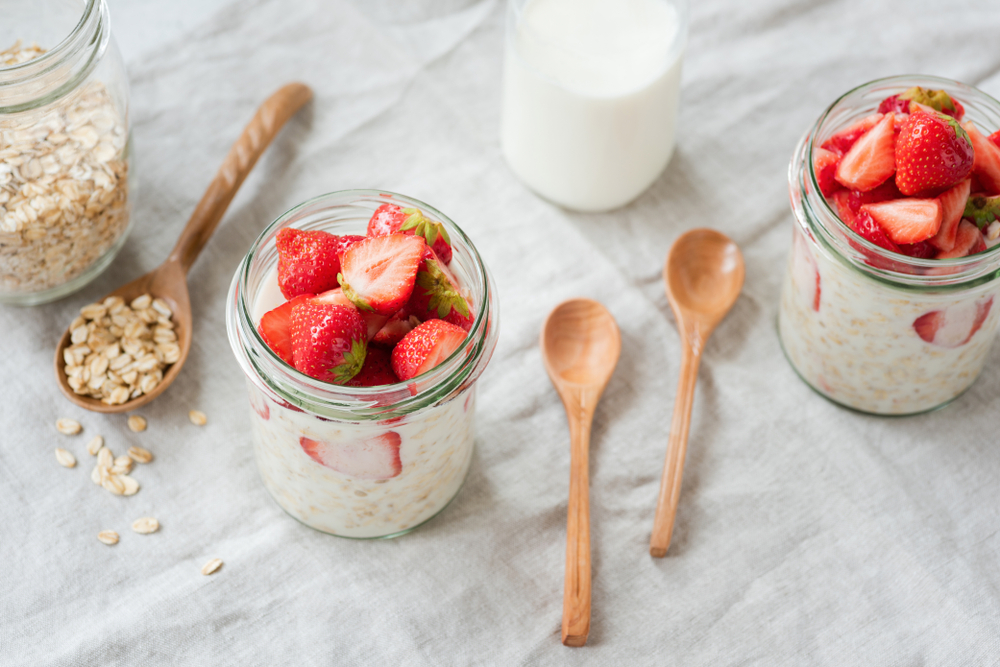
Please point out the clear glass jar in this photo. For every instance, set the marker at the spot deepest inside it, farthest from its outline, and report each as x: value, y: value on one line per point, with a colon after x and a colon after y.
x: 854, y: 317
x: 421, y: 431
x: 65, y: 154
x: 591, y: 90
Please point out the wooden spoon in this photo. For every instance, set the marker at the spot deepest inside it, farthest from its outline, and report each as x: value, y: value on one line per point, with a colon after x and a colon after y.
x: 169, y: 280
x: 703, y: 275
x: 580, y: 346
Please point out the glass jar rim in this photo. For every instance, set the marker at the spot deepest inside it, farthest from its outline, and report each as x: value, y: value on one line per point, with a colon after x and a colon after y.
x: 77, y: 53
x: 324, y: 399
x: 811, y: 206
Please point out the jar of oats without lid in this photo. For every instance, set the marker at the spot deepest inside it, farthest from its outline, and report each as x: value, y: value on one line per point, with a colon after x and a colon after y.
x: 65, y: 157
x: 360, y: 462
x: 872, y: 329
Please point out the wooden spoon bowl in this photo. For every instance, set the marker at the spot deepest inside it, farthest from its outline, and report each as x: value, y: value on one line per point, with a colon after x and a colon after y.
x: 169, y: 280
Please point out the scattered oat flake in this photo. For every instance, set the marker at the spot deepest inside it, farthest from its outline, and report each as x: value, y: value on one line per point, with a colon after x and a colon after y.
x: 109, y: 537
x: 137, y: 423
x: 139, y: 454
x: 105, y: 458
x: 198, y: 418
x: 114, y: 484
x: 146, y: 525
x: 211, y: 566
x: 68, y: 426
x: 95, y: 475
x: 95, y: 445
x: 65, y: 458
x: 131, y: 486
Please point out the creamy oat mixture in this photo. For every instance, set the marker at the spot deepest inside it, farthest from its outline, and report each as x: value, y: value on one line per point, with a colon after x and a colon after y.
x: 63, y: 185
x: 857, y: 343
x: 435, y: 452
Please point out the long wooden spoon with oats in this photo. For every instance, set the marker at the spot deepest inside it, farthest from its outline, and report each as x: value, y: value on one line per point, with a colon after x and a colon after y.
x: 165, y: 288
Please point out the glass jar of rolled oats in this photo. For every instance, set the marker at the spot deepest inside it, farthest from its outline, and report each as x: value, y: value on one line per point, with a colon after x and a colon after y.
x: 64, y: 148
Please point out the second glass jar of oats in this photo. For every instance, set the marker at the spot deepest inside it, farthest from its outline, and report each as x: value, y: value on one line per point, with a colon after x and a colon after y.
x: 64, y: 148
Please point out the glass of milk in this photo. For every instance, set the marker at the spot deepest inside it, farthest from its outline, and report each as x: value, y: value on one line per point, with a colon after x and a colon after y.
x: 590, y: 97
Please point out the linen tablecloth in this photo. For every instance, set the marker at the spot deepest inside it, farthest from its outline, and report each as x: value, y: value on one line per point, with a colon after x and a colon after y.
x: 806, y: 535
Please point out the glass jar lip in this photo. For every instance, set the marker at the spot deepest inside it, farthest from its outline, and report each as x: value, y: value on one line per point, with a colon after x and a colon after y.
x: 92, y: 23
x: 950, y: 271
x: 456, y: 372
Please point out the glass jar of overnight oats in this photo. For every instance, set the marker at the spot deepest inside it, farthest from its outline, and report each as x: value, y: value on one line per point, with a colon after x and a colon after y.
x: 359, y: 462
x: 868, y: 328
x: 64, y: 148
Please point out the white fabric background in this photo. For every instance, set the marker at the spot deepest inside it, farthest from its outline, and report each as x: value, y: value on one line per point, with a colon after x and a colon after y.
x: 807, y: 534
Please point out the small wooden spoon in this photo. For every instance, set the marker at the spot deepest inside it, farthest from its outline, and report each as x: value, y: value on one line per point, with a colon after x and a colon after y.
x: 580, y: 346
x: 169, y: 280
x: 703, y: 275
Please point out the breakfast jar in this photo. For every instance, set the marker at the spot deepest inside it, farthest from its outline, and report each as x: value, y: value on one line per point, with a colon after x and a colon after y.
x: 360, y: 462
x: 872, y: 329
x: 64, y: 148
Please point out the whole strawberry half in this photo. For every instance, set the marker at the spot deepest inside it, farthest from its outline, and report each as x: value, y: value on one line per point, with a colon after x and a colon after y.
x: 436, y: 294
x: 328, y: 342
x: 307, y: 262
x: 275, y: 327
x: 425, y: 347
x: 378, y: 273
x: 933, y: 152
x: 392, y: 219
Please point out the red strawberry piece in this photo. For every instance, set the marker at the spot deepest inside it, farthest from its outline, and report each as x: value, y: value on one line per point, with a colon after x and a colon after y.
x: 933, y: 152
x: 307, y: 262
x: 377, y: 370
x: 921, y: 249
x: 425, y: 347
x: 977, y: 185
x: 844, y: 140
x: 392, y: 219
x: 938, y: 100
x: 952, y: 208
x: 437, y: 295
x: 995, y: 138
x: 894, y: 103
x: 968, y: 241
x: 987, y: 161
x: 366, y: 458
x: 275, y: 328
x: 867, y: 228
x: 907, y: 220
x: 398, y: 326
x: 982, y: 210
x: 845, y: 210
x: 825, y: 167
x: 953, y: 326
x: 871, y: 159
x: 328, y: 342
x: 805, y: 274
x: 336, y: 297
x: 345, y: 242
x: 378, y: 274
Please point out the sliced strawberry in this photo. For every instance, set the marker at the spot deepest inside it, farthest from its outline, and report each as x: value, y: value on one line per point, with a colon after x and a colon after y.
x: 968, y: 241
x: 437, y: 295
x: 933, y: 153
x: 328, y: 342
x: 952, y: 208
x: 867, y: 228
x: 377, y: 370
x: 871, y: 159
x: 953, y: 326
x: 346, y: 242
x: 825, y: 167
x: 921, y: 249
x: 845, y: 139
x: 977, y: 186
x: 995, y: 138
x: 367, y: 458
x: 378, y: 274
x: 398, y: 326
x: 425, y: 347
x: 938, y: 100
x: 275, y: 328
x: 894, y: 103
x: 907, y: 220
x: 307, y: 262
x: 336, y: 297
x: 987, y: 162
x: 391, y: 219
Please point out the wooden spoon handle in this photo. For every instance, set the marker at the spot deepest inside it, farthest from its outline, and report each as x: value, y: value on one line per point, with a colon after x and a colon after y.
x: 576, y: 593
x: 673, y: 467
x: 256, y: 137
